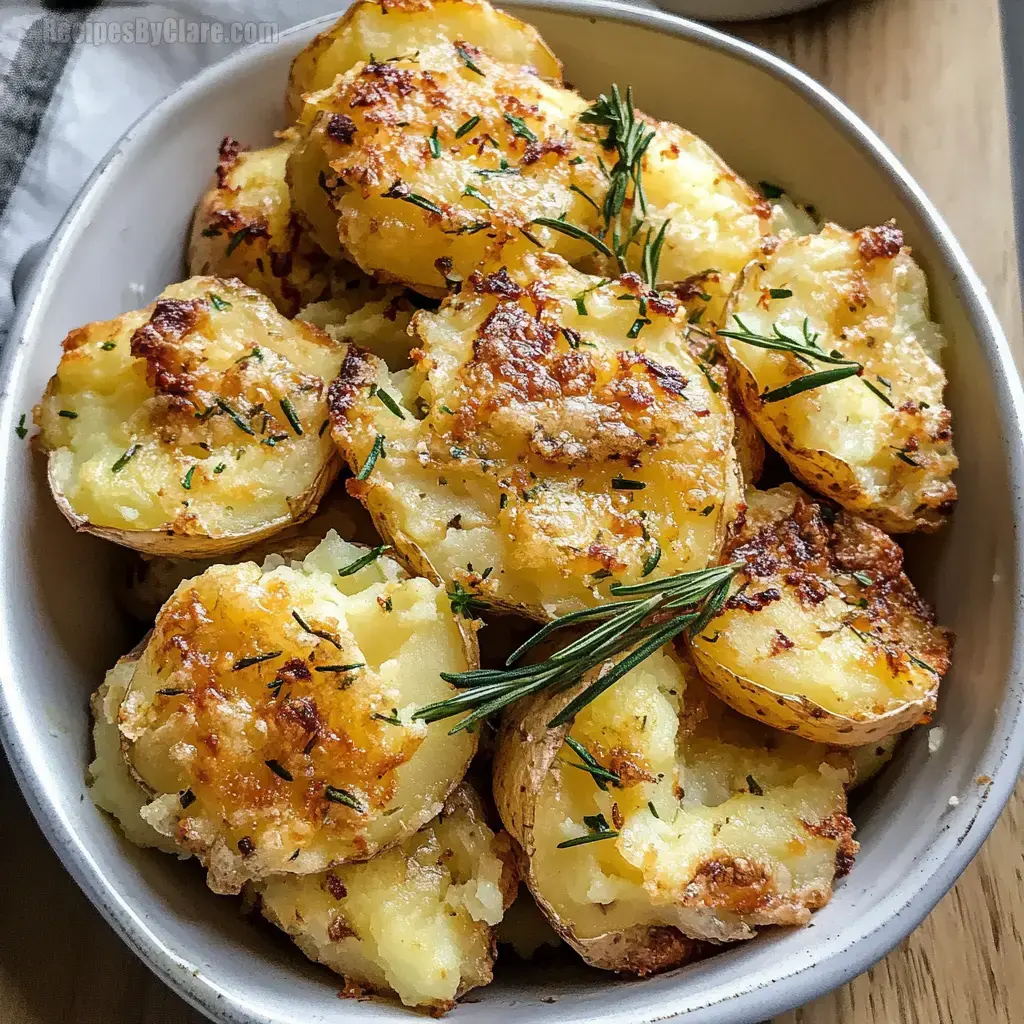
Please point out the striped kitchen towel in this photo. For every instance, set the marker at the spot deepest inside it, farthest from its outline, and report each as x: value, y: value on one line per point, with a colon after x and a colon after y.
x: 73, y: 81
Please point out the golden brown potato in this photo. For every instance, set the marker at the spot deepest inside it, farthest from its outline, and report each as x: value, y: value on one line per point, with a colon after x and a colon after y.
x: 716, y: 826
x: 192, y: 427
x: 270, y: 714
x: 417, y: 920
x: 880, y: 444
x: 540, y: 444
x: 370, y: 28
x: 244, y: 227
x: 421, y: 168
x: 823, y: 634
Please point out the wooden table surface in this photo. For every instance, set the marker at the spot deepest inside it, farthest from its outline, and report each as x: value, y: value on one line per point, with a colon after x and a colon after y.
x: 927, y: 75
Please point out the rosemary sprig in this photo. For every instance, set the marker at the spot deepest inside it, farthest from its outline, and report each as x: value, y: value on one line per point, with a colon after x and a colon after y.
x: 636, y: 628
x: 629, y: 137
x: 806, y: 349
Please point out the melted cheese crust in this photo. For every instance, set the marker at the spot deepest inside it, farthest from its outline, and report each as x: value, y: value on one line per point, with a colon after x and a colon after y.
x: 748, y: 826
x: 423, y: 169
x: 864, y: 295
x: 541, y: 443
x: 416, y: 920
x: 172, y: 418
x: 800, y: 623
x: 366, y: 177
x: 205, y: 717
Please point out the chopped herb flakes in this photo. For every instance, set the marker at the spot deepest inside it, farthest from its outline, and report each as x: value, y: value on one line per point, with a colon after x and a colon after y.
x: 466, y: 127
x: 322, y: 633
x: 520, y: 129
x: 279, y: 770
x: 389, y: 403
x: 124, y: 459
x: 186, y: 480
x: 343, y: 796
x: 376, y: 452
x: 651, y: 561
x: 235, y: 417
x: 217, y: 302
x: 291, y: 415
x: 363, y: 561
x: 467, y: 60
x: 255, y: 659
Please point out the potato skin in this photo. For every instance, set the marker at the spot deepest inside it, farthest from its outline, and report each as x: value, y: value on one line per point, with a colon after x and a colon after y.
x: 263, y: 691
x: 244, y: 227
x: 149, y: 581
x: 372, y: 28
x: 890, y: 461
x: 878, y: 639
x: 523, y: 757
x: 552, y: 451
x: 140, y: 448
x: 707, y: 746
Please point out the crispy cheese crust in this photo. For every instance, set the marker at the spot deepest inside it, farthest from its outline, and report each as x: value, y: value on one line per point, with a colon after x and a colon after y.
x: 719, y: 824
x: 824, y: 634
x: 416, y: 920
x: 370, y: 28
x: 244, y: 227
x: 540, y: 450
x: 270, y: 713
x: 421, y: 168
x: 191, y: 427
x: 887, y: 459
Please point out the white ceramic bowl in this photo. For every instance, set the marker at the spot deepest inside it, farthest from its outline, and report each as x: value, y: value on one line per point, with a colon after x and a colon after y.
x: 59, y: 629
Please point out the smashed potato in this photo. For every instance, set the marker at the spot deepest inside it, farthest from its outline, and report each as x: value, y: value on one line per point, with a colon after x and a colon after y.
x: 416, y: 920
x: 823, y: 634
x: 270, y: 713
x: 111, y: 785
x: 715, y: 826
x: 541, y: 444
x: 370, y: 29
x: 421, y: 168
x: 191, y: 427
x: 880, y: 444
x: 245, y: 227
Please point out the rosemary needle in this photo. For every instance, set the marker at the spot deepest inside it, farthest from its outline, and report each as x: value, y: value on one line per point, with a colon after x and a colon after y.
x: 618, y: 628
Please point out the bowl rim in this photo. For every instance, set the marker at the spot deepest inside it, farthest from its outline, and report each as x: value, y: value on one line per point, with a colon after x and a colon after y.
x: 860, y: 945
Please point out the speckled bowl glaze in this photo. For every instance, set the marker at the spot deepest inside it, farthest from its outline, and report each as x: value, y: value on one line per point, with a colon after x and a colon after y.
x: 59, y: 628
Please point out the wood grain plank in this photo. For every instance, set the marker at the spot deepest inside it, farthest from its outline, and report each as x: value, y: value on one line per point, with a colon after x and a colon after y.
x: 927, y: 75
